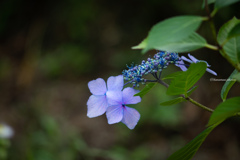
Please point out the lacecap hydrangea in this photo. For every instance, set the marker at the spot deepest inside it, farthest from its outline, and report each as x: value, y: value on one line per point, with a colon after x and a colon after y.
x: 112, y: 99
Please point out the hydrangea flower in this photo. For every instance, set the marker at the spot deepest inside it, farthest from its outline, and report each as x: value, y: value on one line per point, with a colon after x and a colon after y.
x: 98, y: 102
x: 160, y: 61
x: 118, y: 111
x: 193, y: 60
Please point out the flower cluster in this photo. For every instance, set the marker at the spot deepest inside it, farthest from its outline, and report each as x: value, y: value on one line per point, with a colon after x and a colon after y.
x: 160, y: 61
x: 112, y: 99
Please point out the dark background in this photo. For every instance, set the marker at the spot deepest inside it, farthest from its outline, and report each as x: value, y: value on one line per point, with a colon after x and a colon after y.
x: 50, y: 50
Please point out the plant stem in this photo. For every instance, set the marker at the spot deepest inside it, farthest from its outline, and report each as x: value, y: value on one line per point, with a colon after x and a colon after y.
x: 210, y: 19
x: 214, y: 12
x: 199, y: 104
x: 188, y: 98
x: 212, y: 47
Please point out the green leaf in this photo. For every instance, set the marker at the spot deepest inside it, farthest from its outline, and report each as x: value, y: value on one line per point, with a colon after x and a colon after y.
x: 173, y: 75
x: 235, y: 31
x: 146, y: 89
x: 223, y: 3
x: 173, y: 101
x: 171, y: 30
x: 226, y: 29
x: 190, y: 43
x: 231, y: 47
x: 191, y: 91
x: 142, y: 45
x: 237, y: 77
x: 183, y: 82
x: 226, y: 109
x: 189, y: 150
x: 231, y: 51
x: 227, y: 85
x: 209, y: 2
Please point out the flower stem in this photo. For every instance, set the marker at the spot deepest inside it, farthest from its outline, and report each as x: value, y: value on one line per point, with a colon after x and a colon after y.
x: 188, y: 98
x: 199, y: 104
x: 212, y: 47
x: 210, y: 19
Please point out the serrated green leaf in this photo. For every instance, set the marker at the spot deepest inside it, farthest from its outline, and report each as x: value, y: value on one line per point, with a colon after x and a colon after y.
x: 146, y: 89
x: 171, y: 30
x: 224, y: 3
x: 231, y: 51
x: 191, y: 91
x: 189, y: 150
x: 227, y: 85
x: 224, y: 31
x: 191, y: 43
x: 173, y: 101
x: 183, y: 82
x: 224, y: 110
x: 231, y: 47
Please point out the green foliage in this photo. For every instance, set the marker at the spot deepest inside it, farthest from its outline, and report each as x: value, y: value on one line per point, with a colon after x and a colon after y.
x: 193, y: 42
x: 173, y: 101
x: 189, y: 150
x: 191, y: 90
x: 174, y: 32
x: 226, y: 29
x: 237, y: 77
x: 235, y: 31
x: 220, y: 3
x: 224, y: 3
x: 190, y: 43
x: 183, y: 82
x: 172, y: 75
x: 209, y: 2
x: 228, y: 108
x: 146, y: 89
x: 228, y: 85
x: 230, y: 43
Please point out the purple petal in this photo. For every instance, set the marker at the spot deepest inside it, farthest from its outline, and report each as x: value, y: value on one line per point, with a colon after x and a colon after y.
x: 195, y: 60
x: 97, y: 105
x: 181, y: 65
x: 97, y: 87
x: 130, y: 117
x: 114, y: 97
x: 115, y: 83
x: 211, y: 71
x: 186, y: 59
x: 114, y: 114
x: 128, y: 96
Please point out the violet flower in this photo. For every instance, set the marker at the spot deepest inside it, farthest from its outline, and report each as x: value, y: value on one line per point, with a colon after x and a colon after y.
x: 118, y: 111
x: 98, y: 102
x: 193, y: 60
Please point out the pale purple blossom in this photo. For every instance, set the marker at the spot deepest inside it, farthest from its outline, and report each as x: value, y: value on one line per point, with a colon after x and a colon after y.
x: 193, y: 60
x: 98, y: 102
x: 118, y: 111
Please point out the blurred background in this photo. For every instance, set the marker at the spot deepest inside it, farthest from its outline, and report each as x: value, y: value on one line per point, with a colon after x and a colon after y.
x: 50, y: 50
